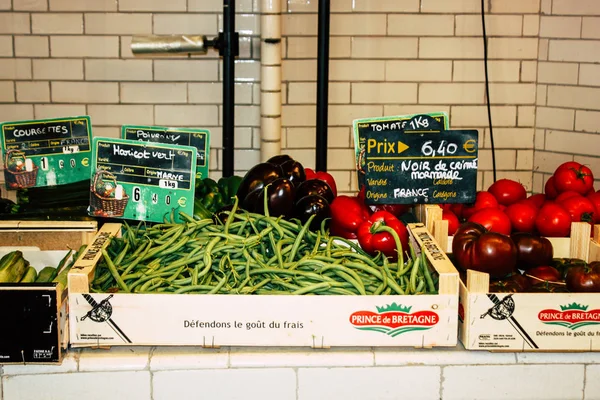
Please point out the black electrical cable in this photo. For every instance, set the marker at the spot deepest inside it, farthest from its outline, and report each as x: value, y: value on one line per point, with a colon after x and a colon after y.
x: 487, y: 87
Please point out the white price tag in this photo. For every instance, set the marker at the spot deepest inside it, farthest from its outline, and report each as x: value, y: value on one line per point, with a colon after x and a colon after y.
x: 166, y: 184
x: 70, y: 149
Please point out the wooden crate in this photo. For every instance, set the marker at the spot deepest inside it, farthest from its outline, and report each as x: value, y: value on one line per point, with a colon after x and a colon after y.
x: 103, y: 319
x: 34, y: 315
x: 47, y: 235
x: 526, y: 321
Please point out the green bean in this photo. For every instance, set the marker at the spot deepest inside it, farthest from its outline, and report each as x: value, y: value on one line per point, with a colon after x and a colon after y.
x: 367, y: 268
x: 299, y: 239
x: 251, y: 253
x: 251, y: 289
x: 193, y: 288
x: 413, y: 275
x: 355, y: 281
x: 113, y: 271
x: 427, y: 274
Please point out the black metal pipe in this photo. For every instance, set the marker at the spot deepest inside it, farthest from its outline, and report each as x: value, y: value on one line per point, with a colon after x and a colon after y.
x: 322, y: 84
x: 229, y: 48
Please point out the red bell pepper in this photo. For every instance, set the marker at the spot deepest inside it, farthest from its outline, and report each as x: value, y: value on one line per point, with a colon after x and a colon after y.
x: 347, y: 213
x: 336, y: 230
x: 384, y: 233
x: 322, y: 175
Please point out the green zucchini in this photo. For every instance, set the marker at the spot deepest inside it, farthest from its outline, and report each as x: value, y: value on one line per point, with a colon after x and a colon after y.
x: 12, y: 267
x: 46, y: 274
x: 29, y: 276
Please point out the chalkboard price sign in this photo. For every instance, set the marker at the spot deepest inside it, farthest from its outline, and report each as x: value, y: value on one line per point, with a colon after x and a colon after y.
x: 198, y: 138
x: 46, y: 152
x: 435, y: 121
x: 409, y: 167
x: 141, y: 180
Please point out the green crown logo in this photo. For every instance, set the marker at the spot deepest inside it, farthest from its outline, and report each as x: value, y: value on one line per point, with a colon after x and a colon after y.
x: 394, y: 307
x: 573, y: 306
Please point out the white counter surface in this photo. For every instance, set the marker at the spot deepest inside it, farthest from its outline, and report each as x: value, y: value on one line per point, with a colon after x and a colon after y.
x: 165, y: 373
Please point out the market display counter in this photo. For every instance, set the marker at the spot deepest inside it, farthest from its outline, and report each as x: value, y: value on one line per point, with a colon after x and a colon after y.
x: 166, y: 373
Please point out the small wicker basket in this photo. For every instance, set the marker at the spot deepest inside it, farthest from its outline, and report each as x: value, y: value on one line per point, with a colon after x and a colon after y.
x: 19, y: 179
x: 110, y: 206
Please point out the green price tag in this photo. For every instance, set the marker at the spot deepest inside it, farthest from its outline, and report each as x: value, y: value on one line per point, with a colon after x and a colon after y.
x: 198, y: 138
x: 141, y: 180
x: 46, y: 152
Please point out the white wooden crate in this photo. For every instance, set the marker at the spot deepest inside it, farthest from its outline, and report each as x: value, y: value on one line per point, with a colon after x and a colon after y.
x: 525, y: 321
x: 103, y: 319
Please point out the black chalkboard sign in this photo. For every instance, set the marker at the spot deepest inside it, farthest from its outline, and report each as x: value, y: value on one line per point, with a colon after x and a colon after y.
x: 30, y: 326
x: 412, y: 166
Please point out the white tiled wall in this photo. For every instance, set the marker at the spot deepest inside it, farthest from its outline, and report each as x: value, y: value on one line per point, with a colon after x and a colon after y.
x: 300, y: 374
x: 568, y: 88
x: 64, y: 57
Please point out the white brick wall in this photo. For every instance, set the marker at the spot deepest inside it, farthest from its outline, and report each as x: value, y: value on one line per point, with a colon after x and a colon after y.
x: 568, y: 86
x: 387, y: 57
x: 301, y: 374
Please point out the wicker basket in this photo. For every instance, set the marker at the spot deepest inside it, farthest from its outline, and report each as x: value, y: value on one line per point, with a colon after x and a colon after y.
x: 19, y: 179
x: 111, y: 206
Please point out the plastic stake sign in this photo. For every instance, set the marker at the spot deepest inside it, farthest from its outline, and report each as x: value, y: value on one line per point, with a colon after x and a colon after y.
x: 141, y: 180
x: 198, y: 138
x: 46, y: 152
x: 420, y: 166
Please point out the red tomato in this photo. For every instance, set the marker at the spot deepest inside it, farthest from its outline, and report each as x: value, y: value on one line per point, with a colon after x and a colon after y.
x: 476, y: 248
x: 550, y: 188
x: 457, y: 209
x: 584, y: 278
x: 543, y: 273
x: 537, y: 199
x: 493, y: 220
x: 483, y: 200
x: 595, y: 199
x: 507, y: 191
x: 565, y: 195
x: 522, y: 216
x: 453, y: 222
x: 573, y: 176
x: 533, y: 250
x: 553, y: 220
x: 580, y: 208
x: 568, y: 164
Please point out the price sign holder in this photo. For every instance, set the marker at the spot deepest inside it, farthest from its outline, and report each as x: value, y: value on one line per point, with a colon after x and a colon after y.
x: 142, y: 181
x: 46, y: 152
x: 198, y: 138
x: 413, y: 166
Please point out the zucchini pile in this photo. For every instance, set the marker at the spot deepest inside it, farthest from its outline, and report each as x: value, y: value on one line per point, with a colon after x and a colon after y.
x: 14, y: 268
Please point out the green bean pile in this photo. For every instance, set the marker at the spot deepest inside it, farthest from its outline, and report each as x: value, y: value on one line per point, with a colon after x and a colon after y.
x: 251, y: 254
